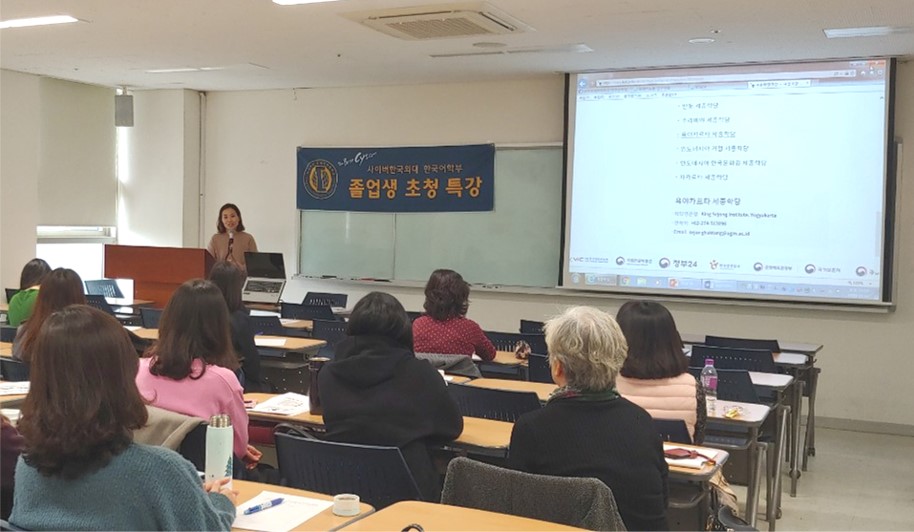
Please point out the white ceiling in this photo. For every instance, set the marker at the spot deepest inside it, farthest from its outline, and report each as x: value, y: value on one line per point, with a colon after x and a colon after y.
x: 261, y: 45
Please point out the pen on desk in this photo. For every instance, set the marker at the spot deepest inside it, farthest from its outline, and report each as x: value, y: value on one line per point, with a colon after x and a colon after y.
x: 263, y: 506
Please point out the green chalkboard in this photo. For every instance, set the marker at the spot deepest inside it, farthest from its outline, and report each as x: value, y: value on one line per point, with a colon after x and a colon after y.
x: 517, y: 244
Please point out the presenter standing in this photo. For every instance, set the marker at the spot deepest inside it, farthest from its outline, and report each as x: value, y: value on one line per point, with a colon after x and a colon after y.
x: 231, y: 241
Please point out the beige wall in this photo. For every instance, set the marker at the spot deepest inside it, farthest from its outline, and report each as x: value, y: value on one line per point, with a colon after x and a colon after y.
x: 250, y: 159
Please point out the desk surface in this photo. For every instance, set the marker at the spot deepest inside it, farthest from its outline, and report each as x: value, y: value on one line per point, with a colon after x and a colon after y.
x: 305, y: 325
x: 507, y: 358
x: 6, y: 348
x: 128, y: 302
x: 291, y: 343
x: 322, y: 521
x: 4, y: 307
x: 541, y: 389
x: 477, y: 432
x: 432, y: 516
x: 778, y: 381
x: 11, y: 401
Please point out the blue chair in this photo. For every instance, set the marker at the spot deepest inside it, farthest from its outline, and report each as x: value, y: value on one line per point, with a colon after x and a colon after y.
x: 760, y: 360
x: 326, y: 299
x: 733, y: 385
x: 377, y: 474
x: 7, y: 333
x: 331, y: 332
x: 538, y: 369
x: 307, y: 312
x: 487, y: 403
x: 673, y: 430
x: 104, y: 287
x: 743, y: 343
x: 150, y: 317
x: 266, y: 325
x: 13, y: 370
x: 530, y: 326
x: 99, y: 302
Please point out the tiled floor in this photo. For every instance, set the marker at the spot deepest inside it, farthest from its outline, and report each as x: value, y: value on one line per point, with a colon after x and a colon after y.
x: 856, y: 481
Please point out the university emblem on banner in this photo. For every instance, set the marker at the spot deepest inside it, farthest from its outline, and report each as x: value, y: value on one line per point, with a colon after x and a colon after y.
x: 320, y: 179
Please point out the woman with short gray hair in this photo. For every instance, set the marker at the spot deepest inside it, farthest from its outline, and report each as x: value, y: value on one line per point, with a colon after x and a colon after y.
x: 586, y: 429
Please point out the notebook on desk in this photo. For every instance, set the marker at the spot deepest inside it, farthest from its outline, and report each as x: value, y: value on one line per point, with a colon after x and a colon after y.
x: 266, y: 277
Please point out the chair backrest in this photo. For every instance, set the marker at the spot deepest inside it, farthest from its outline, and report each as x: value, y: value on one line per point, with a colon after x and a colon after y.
x: 414, y: 314
x: 307, y: 312
x: 538, y: 369
x: 507, y: 341
x: 104, y: 287
x: 673, y: 430
x: 100, y: 303
x: 13, y: 370
x: 378, y: 475
x: 760, y: 360
x: 743, y: 343
x: 266, y: 325
x: 501, y: 405
x: 329, y: 331
x: 193, y: 448
x: 732, y: 385
x: 10, y: 292
x: 580, y: 502
x: 530, y: 326
x: 7, y: 333
x: 326, y: 299
x: 150, y: 317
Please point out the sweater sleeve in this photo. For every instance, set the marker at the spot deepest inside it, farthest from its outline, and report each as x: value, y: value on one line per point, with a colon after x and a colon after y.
x: 482, y: 344
x: 182, y: 503
x: 239, y: 415
x: 521, y: 448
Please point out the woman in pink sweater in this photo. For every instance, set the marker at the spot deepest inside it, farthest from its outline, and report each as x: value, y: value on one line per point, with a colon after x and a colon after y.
x: 190, y: 370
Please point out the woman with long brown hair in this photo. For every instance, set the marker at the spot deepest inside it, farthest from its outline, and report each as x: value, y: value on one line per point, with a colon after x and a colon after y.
x: 191, y: 369
x: 60, y: 288
x: 81, y: 469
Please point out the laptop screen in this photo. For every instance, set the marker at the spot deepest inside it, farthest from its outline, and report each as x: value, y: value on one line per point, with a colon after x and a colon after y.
x: 265, y: 265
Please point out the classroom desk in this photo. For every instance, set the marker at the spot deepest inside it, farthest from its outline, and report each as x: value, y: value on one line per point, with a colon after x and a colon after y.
x: 291, y: 343
x: 4, y: 307
x: 323, y: 521
x: 541, y: 389
x: 6, y: 349
x: 304, y: 325
x: 11, y: 401
x: 479, y: 435
x: 433, y: 517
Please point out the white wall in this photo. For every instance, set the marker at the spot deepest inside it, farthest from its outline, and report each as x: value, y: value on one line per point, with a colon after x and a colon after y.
x: 250, y: 158
x: 20, y: 119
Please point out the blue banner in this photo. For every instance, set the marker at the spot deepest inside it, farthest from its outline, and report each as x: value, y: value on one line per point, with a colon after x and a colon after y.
x: 411, y: 179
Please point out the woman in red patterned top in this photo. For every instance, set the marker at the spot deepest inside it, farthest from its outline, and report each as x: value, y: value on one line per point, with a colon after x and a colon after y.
x: 444, y: 328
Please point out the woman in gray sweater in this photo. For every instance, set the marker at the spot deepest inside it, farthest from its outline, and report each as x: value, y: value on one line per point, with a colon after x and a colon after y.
x: 80, y: 469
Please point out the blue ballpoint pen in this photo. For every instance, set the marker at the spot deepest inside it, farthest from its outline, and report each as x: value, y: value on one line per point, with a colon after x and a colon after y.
x: 263, y: 506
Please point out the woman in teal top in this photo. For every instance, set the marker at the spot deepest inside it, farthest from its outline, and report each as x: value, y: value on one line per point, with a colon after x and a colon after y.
x: 21, y: 304
x: 80, y: 469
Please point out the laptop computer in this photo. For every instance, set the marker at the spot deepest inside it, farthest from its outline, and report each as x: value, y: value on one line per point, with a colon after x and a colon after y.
x: 266, y: 278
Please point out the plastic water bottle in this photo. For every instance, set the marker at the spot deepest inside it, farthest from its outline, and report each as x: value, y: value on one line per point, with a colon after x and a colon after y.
x: 709, y: 383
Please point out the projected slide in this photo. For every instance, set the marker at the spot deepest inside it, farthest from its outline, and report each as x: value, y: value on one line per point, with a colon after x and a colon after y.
x: 761, y: 181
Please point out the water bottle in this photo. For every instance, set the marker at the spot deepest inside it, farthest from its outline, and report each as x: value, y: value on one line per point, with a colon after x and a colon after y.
x: 314, y: 392
x: 709, y: 383
x: 219, y: 448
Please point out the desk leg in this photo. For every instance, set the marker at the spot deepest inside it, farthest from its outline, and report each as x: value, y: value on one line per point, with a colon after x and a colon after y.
x: 796, y: 414
x: 809, y: 447
x: 774, y: 505
x: 752, y: 488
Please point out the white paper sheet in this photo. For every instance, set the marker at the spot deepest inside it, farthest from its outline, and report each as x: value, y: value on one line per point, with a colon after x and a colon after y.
x: 292, y: 512
x: 269, y: 342
x: 14, y: 388
x: 287, y: 404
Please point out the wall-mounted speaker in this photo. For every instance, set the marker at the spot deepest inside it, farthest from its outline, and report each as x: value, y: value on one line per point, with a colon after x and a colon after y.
x: 123, y: 110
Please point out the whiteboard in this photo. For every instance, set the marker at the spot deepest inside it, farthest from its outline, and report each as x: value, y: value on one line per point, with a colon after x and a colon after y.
x: 517, y: 244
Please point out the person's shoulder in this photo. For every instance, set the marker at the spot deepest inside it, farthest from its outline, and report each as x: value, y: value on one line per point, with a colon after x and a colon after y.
x: 222, y: 375
x: 154, y: 455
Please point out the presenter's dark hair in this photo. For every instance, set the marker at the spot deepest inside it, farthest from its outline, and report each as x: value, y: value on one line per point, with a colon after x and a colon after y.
x: 83, y: 404
x: 229, y: 279
x: 447, y: 295
x: 654, y: 344
x: 194, y: 324
x: 33, y: 273
x: 59, y: 288
x: 380, y: 314
x: 220, y: 226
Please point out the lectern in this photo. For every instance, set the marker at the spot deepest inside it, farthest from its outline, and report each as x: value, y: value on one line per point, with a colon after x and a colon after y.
x: 156, y: 271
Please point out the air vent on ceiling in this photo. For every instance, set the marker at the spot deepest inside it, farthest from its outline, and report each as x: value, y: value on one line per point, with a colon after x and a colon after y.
x: 560, y: 49
x: 440, y: 21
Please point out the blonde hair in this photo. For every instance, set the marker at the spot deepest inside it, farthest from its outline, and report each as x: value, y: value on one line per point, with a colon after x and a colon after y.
x: 590, y: 346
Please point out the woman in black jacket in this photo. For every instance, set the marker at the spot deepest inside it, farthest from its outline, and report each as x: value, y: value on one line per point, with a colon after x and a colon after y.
x: 230, y: 279
x: 376, y: 391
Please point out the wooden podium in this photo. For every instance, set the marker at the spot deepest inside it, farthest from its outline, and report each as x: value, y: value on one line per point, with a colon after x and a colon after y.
x: 156, y: 272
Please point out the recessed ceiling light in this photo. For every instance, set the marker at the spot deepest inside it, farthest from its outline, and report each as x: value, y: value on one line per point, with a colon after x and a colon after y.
x: 37, y: 21
x: 298, y: 2
x: 867, y: 31
x: 182, y: 69
x: 701, y: 40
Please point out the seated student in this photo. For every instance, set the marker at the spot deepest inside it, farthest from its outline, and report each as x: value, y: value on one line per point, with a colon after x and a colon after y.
x: 21, y: 304
x: 444, y: 328
x: 586, y: 429
x: 229, y: 278
x: 80, y: 469
x: 60, y: 288
x: 190, y: 369
x: 376, y: 392
x: 656, y: 375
